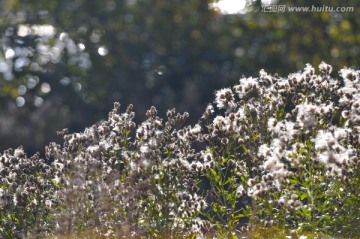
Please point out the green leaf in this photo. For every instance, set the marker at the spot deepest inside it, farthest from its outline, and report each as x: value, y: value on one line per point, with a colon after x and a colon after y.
x: 303, y: 196
x: 215, y: 175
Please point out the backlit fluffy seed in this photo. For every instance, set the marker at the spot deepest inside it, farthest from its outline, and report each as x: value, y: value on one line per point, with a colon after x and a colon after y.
x: 325, y: 68
x: 19, y: 153
x: 349, y: 75
x: 224, y: 98
x: 356, y: 106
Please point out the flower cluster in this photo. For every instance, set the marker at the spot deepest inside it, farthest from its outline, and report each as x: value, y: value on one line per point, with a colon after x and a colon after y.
x: 116, y: 177
x: 279, y: 153
x: 26, y: 195
x: 291, y: 135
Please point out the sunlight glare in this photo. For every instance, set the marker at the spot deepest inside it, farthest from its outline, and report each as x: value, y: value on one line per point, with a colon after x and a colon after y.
x: 229, y: 6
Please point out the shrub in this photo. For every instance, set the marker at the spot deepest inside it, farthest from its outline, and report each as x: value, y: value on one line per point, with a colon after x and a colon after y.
x: 289, y: 150
x: 272, y: 156
x: 26, y: 195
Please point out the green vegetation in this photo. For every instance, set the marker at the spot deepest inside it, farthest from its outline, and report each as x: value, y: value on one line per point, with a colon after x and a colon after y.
x: 271, y: 158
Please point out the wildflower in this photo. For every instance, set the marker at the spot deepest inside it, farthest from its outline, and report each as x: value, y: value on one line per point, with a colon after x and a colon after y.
x: 345, y: 114
x: 264, y: 151
x: 209, y: 109
x: 207, y: 156
x: 347, y: 95
x: 271, y: 123
x: 282, y: 201
x: 144, y: 149
x: 240, y: 191
x: 324, y: 140
x: 306, y: 115
x: 197, y: 166
x: 309, y: 70
x: 282, y: 86
x: 225, y: 99
x: 196, y: 129
x: 272, y: 163
x: 246, y: 85
x: 57, y: 179
x: 220, y: 122
x: 19, y: 153
x: 325, y: 68
x: 263, y: 73
x: 341, y: 134
x: 240, y: 114
x: 327, y: 158
x: 326, y: 108
x: 356, y: 107
x: 350, y: 76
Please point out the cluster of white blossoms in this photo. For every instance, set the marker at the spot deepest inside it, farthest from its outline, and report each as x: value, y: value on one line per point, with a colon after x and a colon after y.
x: 285, y: 128
x: 270, y: 139
x: 26, y: 191
x: 288, y: 110
x: 144, y: 171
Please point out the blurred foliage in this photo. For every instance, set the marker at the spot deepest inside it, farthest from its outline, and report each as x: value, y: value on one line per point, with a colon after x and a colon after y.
x: 63, y: 63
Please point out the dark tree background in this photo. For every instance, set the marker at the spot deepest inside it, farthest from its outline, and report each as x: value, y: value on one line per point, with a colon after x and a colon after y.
x: 63, y: 63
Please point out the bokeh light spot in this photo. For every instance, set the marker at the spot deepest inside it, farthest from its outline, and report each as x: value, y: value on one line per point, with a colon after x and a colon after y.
x: 103, y: 51
x: 45, y: 88
x: 38, y: 101
x: 20, y: 101
x: 9, y: 53
x: 22, y: 90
